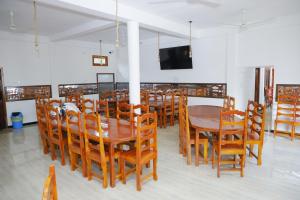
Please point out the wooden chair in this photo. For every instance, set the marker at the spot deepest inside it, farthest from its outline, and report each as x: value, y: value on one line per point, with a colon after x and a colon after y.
x: 102, y: 108
x: 142, y: 154
x: 296, y: 133
x: 232, y: 123
x: 190, y: 138
x: 76, y: 141
x: 256, y: 129
x: 125, y: 111
x: 144, y: 98
x: 182, y: 104
x: 168, y: 110
x: 42, y: 126
x: 285, y: 116
x: 50, y: 189
x: 94, y: 147
x: 56, y: 137
x: 177, y: 95
x: 155, y: 100
x: 229, y: 103
x: 88, y: 106
x: 110, y: 97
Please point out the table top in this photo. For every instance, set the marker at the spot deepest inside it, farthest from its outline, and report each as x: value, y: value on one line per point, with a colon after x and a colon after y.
x: 205, y: 117
x: 115, y: 130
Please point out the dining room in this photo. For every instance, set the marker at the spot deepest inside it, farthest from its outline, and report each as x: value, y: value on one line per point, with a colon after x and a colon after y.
x: 149, y: 99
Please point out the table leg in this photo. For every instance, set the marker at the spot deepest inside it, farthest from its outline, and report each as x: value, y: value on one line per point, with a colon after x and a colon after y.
x: 197, y: 148
x: 112, y: 165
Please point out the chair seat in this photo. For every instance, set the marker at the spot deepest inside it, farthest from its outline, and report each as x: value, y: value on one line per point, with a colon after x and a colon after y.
x: 130, y: 156
x: 95, y: 155
x: 230, y: 149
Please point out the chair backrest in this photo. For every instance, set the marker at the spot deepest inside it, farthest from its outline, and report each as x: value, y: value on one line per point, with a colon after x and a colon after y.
x: 88, y: 106
x: 256, y: 119
x: 125, y: 111
x: 140, y: 109
x: 93, y: 135
x: 144, y: 98
x: 55, y: 102
x: 185, y: 124
x: 102, y: 107
x: 53, y: 122
x: 146, y: 134
x: 233, y: 124
x: 229, y: 103
x: 41, y: 117
x: 286, y: 108
x: 74, y: 129
x: 74, y: 98
x: 50, y: 189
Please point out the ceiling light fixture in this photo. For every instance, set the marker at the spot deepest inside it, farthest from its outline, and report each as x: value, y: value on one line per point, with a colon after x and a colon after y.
x: 12, y: 25
x: 190, y: 51
x: 35, y: 24
x: 100, y: 41
x: 117, y: 26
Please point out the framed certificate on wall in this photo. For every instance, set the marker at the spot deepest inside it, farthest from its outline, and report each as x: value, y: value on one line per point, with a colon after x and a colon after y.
x: 100, y: 60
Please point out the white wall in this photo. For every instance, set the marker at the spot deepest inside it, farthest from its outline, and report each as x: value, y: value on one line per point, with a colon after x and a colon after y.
x: 56, y: 63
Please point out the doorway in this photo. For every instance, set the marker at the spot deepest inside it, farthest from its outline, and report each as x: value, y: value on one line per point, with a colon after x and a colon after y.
x: 3, y: 119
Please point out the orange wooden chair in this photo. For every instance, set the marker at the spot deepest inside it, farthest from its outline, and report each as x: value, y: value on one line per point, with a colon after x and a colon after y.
x: 285, y: 116
x: 76, y: 141
x: 168, y: 111
x: 189, y: 138
x: 75, y: 98
x: 55, y: 102
x: 181, y: 107
x: 94, y: 147
x: 155, y: 100
x: 232, y: 123
x: 140, y: 109
x: 42, y: 126
x: 88, y: 106
x: 56, y: 137
x: 145, y: 151
x: 50, y: 188
x: 256, y: 129
x: 102, y: 108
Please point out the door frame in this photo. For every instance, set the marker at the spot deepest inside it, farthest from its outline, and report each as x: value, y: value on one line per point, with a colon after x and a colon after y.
x: 257, y: 85
x: 4, y: 97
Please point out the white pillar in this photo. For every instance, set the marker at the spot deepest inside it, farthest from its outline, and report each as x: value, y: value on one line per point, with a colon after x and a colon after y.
x: 134, y: 61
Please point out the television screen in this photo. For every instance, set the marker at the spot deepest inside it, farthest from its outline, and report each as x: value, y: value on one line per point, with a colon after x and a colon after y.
x: 175, y: 58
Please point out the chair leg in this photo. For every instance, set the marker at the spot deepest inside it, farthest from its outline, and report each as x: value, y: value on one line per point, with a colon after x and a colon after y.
x: 72, y: 161
x: 83, y: 161
x: 89, y: 168
x: 197, y: 151
x: 205, y: 150
x: 155, y: 169
x: 251, y: 150
x: 138, y: 177
x: 123, y: 176
x: 219, y: 165
x: 52, y: 149
x: 189, y: 154
x: 62, y: 152
x: 260, y: 147
x: 104, y: 174
x: 213, y: 158
x: 242, y: 159
x: 275, y: 129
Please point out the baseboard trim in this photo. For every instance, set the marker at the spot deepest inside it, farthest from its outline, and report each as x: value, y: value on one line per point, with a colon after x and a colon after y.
x: 25, y: 124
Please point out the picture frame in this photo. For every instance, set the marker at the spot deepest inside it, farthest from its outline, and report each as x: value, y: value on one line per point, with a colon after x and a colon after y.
x: 100, y: 60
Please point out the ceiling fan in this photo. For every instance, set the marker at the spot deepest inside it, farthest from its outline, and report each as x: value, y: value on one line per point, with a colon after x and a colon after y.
x: 208, y: 3
x: 244, y: 25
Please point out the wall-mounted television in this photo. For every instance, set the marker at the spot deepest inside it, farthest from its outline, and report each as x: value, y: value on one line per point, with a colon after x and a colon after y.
x: 175, y: 58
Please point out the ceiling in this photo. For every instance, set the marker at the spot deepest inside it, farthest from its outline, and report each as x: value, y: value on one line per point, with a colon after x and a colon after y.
x: 52, y: 20
x: 229, y: 11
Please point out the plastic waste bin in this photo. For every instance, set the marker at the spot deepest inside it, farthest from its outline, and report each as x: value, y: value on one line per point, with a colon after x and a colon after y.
x: 17, y: 120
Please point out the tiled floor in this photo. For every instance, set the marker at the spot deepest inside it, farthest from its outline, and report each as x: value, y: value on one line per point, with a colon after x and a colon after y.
x: 23, y: 168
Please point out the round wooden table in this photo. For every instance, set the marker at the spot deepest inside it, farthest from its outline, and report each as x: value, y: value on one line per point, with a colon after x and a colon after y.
x: 205, y: 118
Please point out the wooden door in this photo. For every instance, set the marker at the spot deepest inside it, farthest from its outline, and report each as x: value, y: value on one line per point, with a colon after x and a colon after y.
x: 3, y: 121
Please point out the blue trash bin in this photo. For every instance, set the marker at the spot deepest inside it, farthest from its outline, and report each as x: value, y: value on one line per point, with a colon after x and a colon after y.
x: 17, y: 120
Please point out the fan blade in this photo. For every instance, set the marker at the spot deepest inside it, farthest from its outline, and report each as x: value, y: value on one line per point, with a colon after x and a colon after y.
x: 209, y: 3
x: 262, y: 22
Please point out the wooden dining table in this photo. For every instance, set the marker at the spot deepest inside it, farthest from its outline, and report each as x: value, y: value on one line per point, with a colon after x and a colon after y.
x: 115, y: 131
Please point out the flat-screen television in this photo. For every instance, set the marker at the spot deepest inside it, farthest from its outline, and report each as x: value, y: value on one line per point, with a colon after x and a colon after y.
x: 175, y: 58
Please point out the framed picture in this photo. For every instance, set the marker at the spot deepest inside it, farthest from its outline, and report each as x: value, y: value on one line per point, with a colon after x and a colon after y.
x: 100, y: 60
